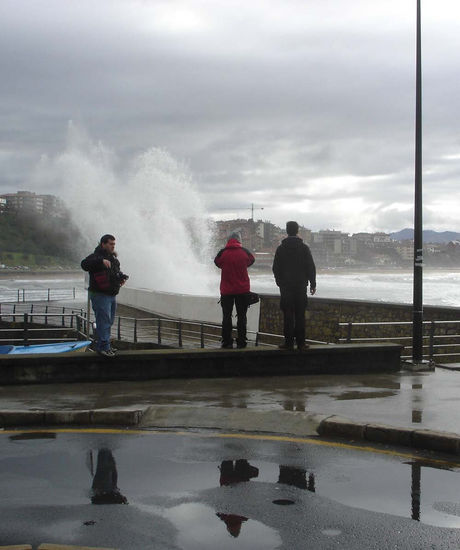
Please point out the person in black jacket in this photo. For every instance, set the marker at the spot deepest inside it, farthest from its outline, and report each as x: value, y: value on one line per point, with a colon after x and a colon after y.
x: 105, y: 280
x: 294, y: 268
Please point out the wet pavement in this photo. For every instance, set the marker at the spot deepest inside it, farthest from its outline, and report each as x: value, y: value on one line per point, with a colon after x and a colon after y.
x: 206, y: 491
x: 417, y: 400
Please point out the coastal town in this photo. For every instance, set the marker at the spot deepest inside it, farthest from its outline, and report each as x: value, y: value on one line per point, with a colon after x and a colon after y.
x: 331, y: 248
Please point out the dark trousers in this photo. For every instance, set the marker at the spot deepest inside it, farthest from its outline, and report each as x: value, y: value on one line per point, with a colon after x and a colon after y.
x: 240, y: 302
x: 293, y: 305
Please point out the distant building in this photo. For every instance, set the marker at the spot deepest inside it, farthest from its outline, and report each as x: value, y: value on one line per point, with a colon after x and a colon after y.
x: 329, y: 240
x: 406, y: 251
x: 28, y: 202
x: 2, y: 205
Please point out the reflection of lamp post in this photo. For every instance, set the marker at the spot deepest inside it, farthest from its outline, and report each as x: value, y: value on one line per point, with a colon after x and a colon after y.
x: 416, y: 491
x: 417, y: 327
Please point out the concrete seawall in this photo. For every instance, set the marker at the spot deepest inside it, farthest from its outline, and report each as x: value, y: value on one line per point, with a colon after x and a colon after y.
x: 204, y: 309
x: 198, y: 363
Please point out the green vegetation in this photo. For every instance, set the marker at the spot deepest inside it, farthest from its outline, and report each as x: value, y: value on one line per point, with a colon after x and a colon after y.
x: 37, y: 241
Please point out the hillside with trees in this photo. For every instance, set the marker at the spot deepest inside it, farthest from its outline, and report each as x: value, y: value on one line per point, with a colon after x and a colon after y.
x: 37, y: 240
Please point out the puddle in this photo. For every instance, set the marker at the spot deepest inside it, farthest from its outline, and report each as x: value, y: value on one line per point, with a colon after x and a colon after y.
x: 199, y: 524
x: 191, y: 482
x: 352, y: 395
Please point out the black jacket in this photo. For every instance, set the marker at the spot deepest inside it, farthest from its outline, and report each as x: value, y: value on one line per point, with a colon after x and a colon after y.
x: 293, y: 265
x: 101, y: 279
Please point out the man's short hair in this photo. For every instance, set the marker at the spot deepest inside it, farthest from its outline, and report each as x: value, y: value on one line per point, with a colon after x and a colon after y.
x: 292, y: 228
x: 107, y: 238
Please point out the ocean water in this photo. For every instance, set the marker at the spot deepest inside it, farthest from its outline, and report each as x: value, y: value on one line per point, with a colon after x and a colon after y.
x: 439, y: 287
x: 36, y: 288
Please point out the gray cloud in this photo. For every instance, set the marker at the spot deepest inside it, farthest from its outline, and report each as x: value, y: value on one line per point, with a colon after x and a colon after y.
x: 301, y: 106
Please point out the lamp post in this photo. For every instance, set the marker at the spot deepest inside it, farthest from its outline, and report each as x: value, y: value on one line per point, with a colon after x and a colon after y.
x: 417, y: 324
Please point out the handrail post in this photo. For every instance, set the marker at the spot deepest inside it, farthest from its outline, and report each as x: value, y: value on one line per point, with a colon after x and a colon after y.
x: 432, y: 329
x: 159, y: 331
x: 46, y: 315
x: 73, y: 293
x: 25, y: 329
x: 135, y: 330
x: 78, y: 323
x: 349, y: 327
x: 201, y: 335
x: 18, y: 295
x: 49, y: 294
x: 62, y: 321
x: 180, y: 334
x: 257, y: 339
x: 119, y: 328
x: 23, y: 294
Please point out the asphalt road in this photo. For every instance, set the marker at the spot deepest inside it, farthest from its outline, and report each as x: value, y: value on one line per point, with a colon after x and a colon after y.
x: 150, y: 490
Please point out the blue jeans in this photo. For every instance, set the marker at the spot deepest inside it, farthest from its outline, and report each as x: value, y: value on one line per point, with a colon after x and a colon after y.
x: 104, y: 308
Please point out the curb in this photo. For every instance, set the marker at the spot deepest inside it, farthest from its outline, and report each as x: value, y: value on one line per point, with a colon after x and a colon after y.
x: 431, y: 440
x: 244, y: 420
x: 97, y: 417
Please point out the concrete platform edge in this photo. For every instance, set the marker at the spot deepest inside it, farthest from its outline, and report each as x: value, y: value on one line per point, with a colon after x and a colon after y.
x: 295, y: 423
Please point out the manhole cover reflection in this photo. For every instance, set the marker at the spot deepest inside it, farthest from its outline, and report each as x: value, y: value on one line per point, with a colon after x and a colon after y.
x: 283, y: 502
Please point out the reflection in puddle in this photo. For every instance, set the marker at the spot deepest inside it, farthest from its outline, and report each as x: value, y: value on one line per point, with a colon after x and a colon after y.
x: 237, y: 471
x: 104, y: 488
x: 199, y: 524
x: 211, y: 491
x: 404, y: 489
x: 351, y: 395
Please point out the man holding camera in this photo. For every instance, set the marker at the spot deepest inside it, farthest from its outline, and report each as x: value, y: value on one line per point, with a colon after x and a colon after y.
x: 105, y: 281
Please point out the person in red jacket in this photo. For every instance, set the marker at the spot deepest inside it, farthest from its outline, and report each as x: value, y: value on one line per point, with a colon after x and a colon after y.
x: 234, y: 261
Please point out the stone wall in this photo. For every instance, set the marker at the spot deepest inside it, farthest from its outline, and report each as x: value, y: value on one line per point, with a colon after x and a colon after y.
x: 324, y: 315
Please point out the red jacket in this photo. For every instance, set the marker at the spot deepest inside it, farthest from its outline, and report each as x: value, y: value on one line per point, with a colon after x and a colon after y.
x: 234, y: 261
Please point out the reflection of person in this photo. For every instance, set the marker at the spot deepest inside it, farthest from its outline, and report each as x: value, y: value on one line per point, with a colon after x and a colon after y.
x: 296, y: 477
x: 294, y: 268
x: 236, y: 471
x: 105, y: 280
x: 234, y: 261
x: 104, y: 488
x: 233, y: 523
x: 231, y: 472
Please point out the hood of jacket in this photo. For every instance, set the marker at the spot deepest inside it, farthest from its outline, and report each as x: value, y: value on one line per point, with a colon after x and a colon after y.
x: 233, y: 243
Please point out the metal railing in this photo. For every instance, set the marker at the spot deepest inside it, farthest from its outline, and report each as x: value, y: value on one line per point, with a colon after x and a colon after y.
x: 435, y: 345
x: 182, y: 333
x: 38, y: 294
x: 153, y: 330
x: 29, y: 332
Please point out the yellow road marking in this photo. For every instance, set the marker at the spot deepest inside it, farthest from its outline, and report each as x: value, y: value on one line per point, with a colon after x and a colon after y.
x: 256, y: 437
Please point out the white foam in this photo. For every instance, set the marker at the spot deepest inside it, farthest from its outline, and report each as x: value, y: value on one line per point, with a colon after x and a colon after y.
x: 150, y: 204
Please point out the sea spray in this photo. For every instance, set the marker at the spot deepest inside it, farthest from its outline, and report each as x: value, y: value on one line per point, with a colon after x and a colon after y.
x: 150, y: 204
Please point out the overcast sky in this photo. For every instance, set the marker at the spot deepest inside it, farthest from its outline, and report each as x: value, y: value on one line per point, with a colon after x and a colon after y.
x: 304, y: 107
